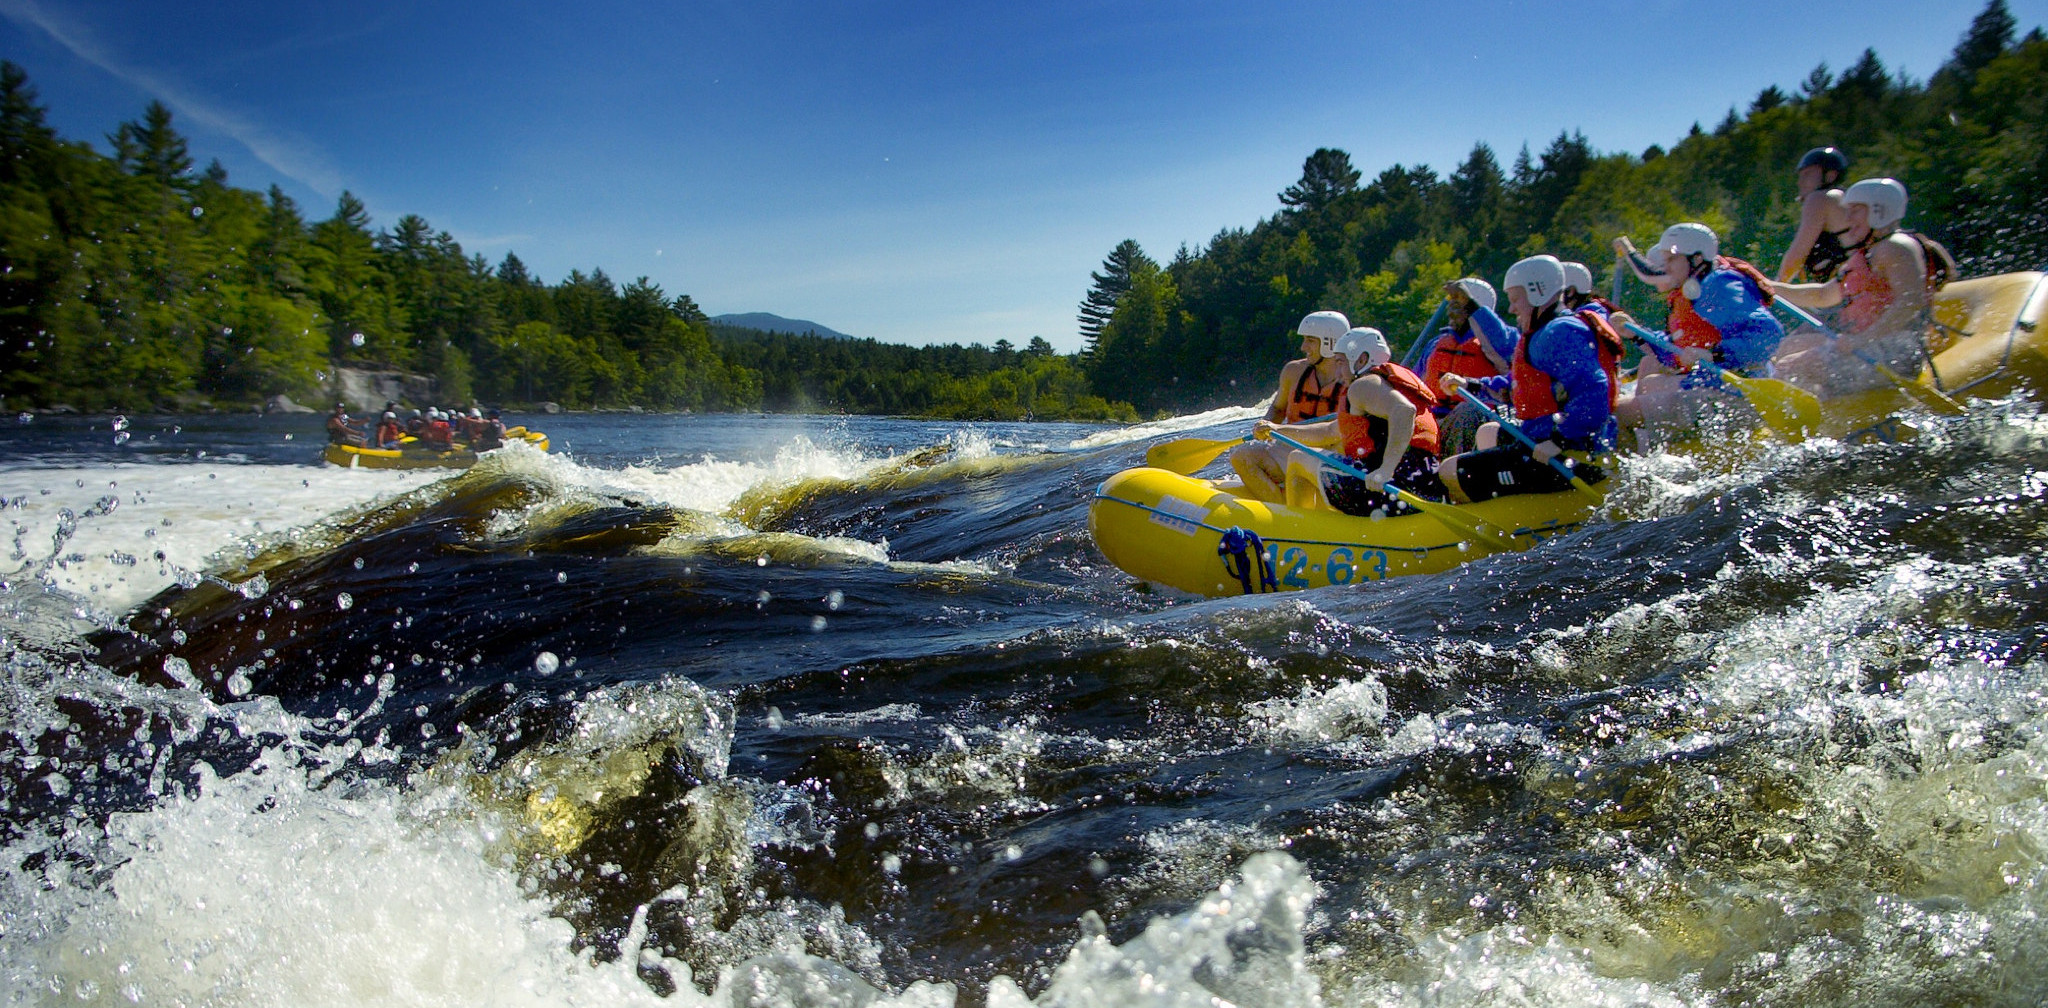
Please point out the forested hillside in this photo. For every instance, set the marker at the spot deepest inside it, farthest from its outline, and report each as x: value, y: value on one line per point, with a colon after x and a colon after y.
x: 810, y: 373
x: 130, y: 280
x: 1213, y: 325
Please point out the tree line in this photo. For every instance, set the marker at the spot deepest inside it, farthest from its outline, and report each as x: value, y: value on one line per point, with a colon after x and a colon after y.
x: 808, y: 373
x: 128, y: 279
x: 1212, y: 326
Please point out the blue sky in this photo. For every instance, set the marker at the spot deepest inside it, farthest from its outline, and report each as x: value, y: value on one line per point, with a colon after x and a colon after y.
x: 912, y: 172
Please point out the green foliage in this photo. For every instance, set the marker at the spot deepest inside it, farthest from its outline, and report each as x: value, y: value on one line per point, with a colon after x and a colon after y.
x: 810, y: 373
x: 1214, y: 326
x: 1109, y: 286
x: 130, y: 281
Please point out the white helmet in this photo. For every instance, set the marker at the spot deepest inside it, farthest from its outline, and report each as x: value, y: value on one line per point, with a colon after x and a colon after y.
x: 1325, y: 326
x: 1541, y: 277
x: 1579, y: 277
x: 1886, y: 198
x: 1691, y: 239
x: 1365, y: 347
x: 1480, y: 292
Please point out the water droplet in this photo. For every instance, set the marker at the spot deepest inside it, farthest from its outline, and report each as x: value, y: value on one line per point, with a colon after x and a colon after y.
x: 344, y: 600
x: 546, y: 663
x: 239, y: 684
x: 817, y: 624
x: 835, y: 599
x: 561, y: 577
x: 356, y: 339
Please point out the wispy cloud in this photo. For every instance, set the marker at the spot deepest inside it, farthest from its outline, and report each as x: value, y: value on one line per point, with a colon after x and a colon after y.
x: 290, y: 157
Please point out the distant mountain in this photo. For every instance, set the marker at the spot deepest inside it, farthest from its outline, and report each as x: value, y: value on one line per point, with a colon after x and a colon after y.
x: 776, y: 323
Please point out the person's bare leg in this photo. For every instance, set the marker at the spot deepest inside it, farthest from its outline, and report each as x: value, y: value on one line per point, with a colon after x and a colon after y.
x: 1259, y: 465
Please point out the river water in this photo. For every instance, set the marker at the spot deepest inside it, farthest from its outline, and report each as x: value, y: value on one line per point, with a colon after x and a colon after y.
x: 814, y: 711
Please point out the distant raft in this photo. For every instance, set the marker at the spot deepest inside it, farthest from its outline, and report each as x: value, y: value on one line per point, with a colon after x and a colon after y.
x: 416, y: 455
x: 1205, y: 537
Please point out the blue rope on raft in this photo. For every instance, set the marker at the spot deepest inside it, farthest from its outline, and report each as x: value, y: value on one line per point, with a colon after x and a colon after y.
x: 1241, y: 550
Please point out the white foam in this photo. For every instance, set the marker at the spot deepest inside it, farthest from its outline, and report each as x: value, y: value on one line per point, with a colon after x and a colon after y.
x: 122, y: 516
x: 1171, y: 425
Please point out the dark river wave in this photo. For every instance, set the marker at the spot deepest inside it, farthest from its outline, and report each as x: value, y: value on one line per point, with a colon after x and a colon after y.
x: 805, y: 711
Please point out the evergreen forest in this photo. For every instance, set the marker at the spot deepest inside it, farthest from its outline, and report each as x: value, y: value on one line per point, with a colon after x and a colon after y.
x: 129, y: 280
x: 1212, y: 326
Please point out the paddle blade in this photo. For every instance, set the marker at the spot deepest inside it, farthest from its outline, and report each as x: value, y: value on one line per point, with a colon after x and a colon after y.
x: 1926, y: 395
x: 1454, y: 518
x: 1186, y: 455
x: 1786, y: 408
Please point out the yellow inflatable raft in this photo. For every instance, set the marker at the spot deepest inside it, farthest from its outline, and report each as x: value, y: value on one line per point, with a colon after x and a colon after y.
x: 1178, y: 531
x: 1190, y: 533
x: 415, y: 455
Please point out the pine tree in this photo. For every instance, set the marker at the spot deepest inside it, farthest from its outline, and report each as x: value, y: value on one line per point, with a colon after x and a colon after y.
x: 26, y: 138
x: 152, y: 149
x: 1990, y: 34
x: 1326, y: 175
x: 1109, y: 286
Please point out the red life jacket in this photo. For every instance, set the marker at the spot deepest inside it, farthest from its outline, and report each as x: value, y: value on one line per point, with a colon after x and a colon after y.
x: 1308, y: 405
x: 1360, y: 442
x: 1451, y: 357
x: 1686, y: 326
x: 389, y: 431
x: 1866, y: 293
x: 1535, y: 393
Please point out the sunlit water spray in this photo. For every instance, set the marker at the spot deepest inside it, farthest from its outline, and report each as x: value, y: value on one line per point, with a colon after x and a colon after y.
x: 1769, y: 734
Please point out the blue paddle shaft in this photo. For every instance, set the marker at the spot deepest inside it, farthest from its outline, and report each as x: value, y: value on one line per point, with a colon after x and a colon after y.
x: 1321, y: 455
x: 1514, y: 430
x: 1658, y: 340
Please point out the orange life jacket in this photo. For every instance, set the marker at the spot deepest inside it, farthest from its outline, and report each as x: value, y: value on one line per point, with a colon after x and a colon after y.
x: 1866, y: 293
x: 1535, y: 394
x: 1308, y: 405
x: 1361, y: 443
x: 1686, y: 326
x: 1467, y: 359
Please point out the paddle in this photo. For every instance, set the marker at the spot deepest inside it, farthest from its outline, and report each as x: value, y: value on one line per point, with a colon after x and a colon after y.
x: 1449, y: 515
x: 1414, y: 359
x: 1787, y: 409
x: 1555, y: 463
x: 1186, y: 455
x: 1927, y: 395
